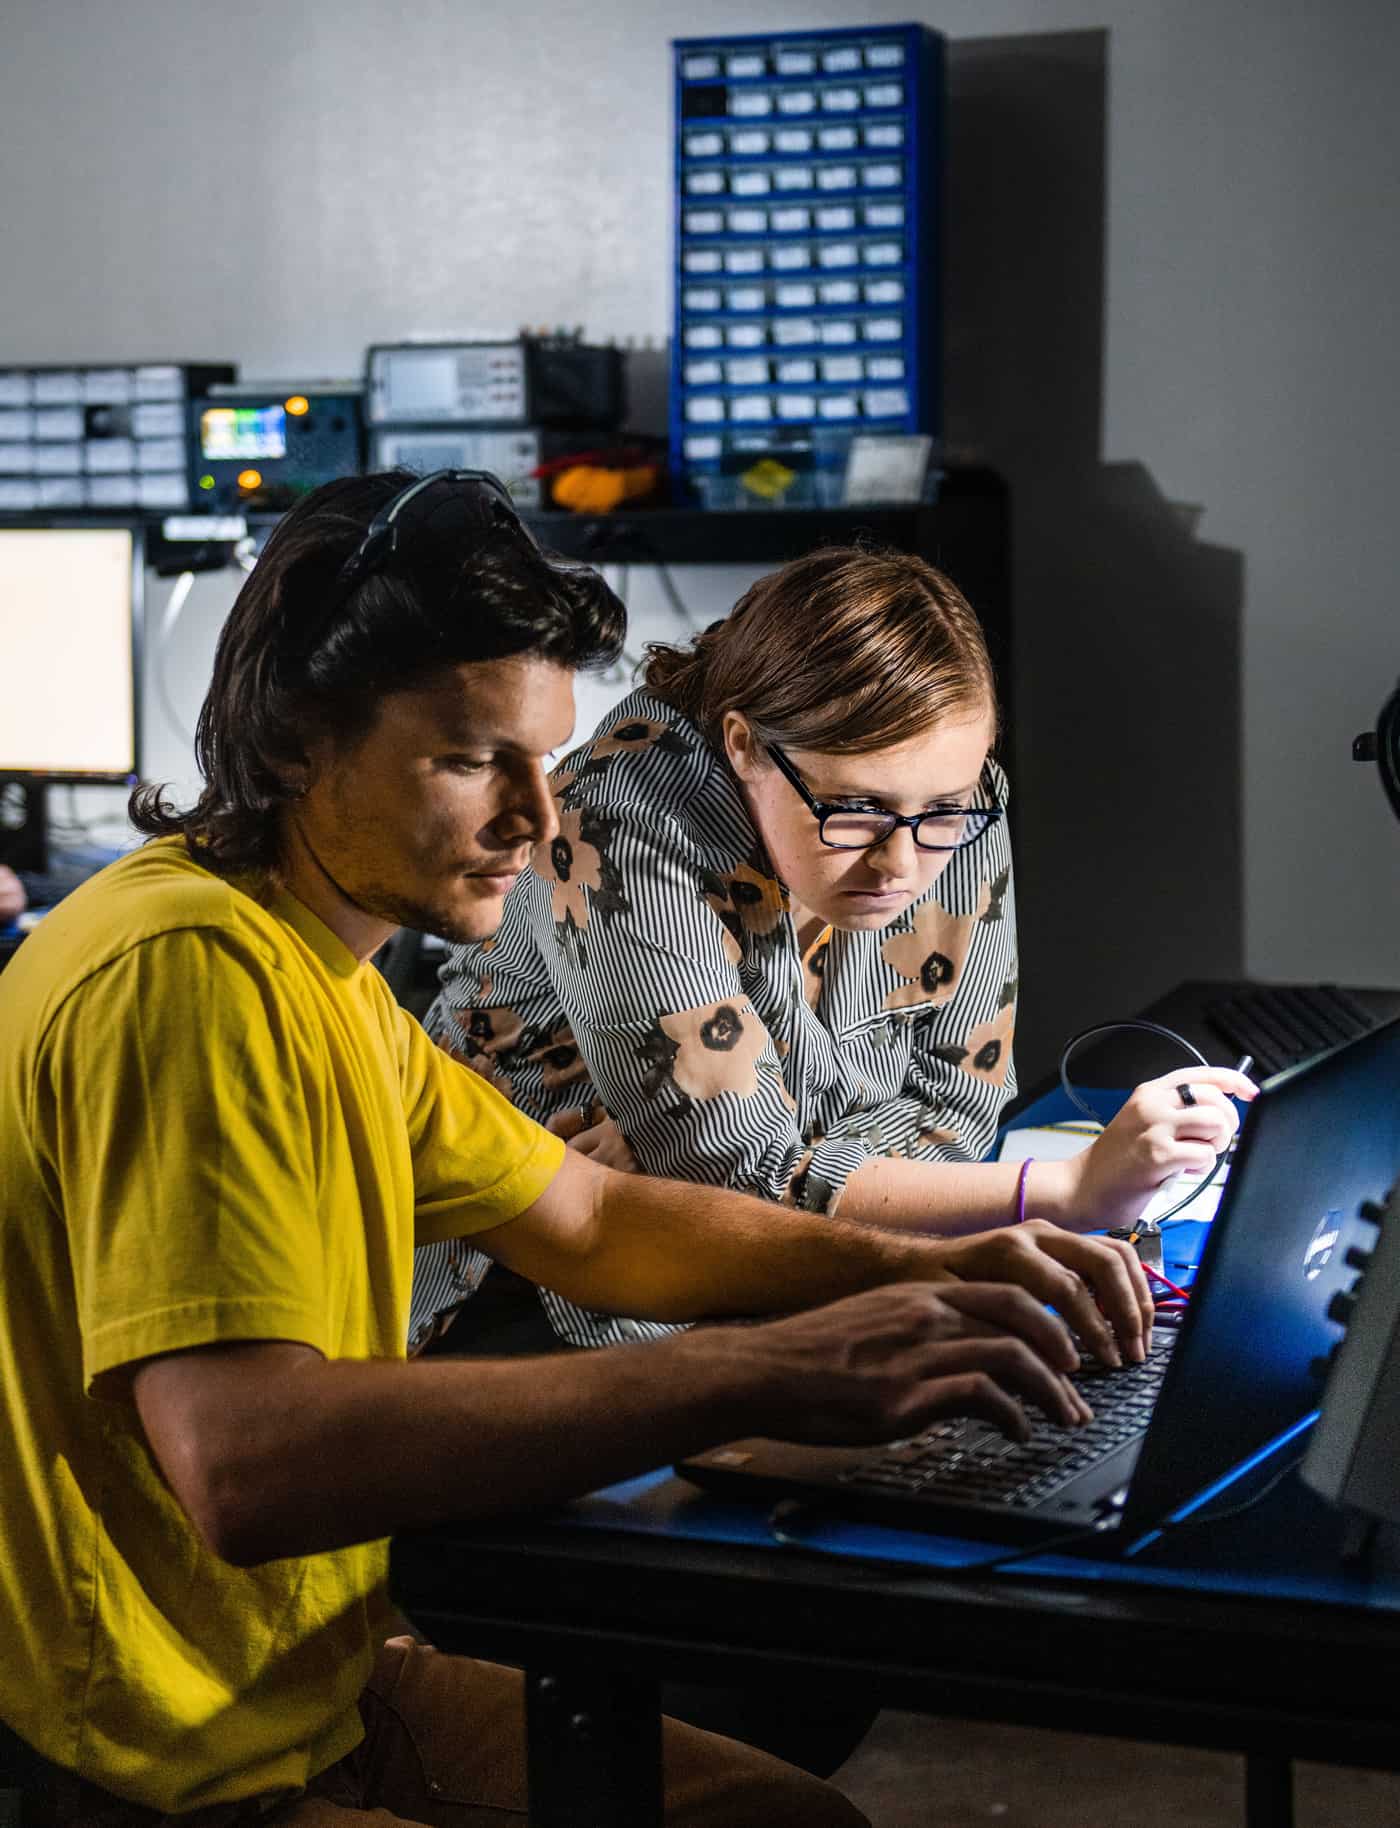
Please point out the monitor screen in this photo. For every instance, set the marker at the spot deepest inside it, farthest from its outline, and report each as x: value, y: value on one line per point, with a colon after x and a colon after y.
x: 69, y: 646
x: 242, y: 432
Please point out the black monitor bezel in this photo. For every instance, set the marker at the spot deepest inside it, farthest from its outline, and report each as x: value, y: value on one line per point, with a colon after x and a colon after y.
x: 116, y: 523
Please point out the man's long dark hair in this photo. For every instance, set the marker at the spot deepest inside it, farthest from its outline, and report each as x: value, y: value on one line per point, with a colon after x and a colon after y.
x: 285, y: 669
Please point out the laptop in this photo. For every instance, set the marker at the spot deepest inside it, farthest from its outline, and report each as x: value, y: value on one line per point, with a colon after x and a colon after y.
x: 1237, y: 1372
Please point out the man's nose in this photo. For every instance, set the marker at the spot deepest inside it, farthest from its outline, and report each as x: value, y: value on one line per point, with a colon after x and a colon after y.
x: 532, y: 816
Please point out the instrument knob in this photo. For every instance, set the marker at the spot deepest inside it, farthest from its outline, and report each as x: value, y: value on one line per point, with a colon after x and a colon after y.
x: 1341, y: 1307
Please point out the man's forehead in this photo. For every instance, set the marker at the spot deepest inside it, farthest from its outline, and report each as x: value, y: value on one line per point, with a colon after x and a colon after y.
x: 497, y: 701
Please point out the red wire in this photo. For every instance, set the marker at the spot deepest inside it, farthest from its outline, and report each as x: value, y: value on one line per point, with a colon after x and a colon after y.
x: 1166, y: 1282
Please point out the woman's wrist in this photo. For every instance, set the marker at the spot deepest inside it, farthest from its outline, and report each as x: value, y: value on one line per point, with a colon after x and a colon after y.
x: 1052, y: 1192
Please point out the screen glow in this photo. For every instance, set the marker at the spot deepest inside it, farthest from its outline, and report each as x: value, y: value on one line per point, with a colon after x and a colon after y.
x: 238, y: 433
x: 67, y: 699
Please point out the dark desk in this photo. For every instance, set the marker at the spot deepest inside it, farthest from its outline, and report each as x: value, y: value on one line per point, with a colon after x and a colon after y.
x: 1246, y: 1635
x: 1242, y: 1643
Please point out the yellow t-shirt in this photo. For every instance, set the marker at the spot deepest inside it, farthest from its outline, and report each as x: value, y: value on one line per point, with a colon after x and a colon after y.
x: 214, y: 1125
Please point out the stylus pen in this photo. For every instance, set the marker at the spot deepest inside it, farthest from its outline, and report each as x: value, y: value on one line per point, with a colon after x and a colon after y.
x: 1243, y: 1064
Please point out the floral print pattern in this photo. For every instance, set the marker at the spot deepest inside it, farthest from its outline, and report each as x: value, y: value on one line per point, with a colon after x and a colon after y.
x: 985, y: 1051
x: 749, y: 905
x: 491, y: 1031
x: 658, y: 972
x: 635, y: 734
x: 558, y: 1059
x: 933, y: 949
x: 571, y: 864
x: 716, y: 1049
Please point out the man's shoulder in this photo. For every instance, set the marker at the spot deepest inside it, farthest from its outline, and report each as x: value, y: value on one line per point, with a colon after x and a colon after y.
x: 161, y: 888
x: 140, y: 903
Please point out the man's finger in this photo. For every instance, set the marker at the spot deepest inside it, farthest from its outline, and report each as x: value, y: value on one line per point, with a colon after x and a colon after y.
x: 1001, y: 1307
x: 567, y: 1123
x: 972, y: 1393
x: 1118, y: 1283
x: 1062, y: 1285
x: 1137, y: 1275
x: 1016, y: 1369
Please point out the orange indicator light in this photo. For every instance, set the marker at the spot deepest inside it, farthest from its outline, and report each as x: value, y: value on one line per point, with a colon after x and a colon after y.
x: 250, y: 479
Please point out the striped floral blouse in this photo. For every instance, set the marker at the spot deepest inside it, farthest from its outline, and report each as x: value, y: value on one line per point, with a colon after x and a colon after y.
x: 651, y: 967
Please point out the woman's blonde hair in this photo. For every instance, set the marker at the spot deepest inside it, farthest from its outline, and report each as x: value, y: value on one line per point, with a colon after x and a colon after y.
x: 844, y: 652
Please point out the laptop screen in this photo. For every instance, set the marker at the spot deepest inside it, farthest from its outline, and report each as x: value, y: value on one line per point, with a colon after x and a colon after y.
x: 1322, y: 1138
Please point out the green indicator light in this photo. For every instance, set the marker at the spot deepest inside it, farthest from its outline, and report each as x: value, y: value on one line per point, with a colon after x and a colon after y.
x: 206, y: 482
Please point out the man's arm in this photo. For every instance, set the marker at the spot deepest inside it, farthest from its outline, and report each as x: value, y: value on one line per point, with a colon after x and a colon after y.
x: 276, y: 1451
x: 667, y: 1250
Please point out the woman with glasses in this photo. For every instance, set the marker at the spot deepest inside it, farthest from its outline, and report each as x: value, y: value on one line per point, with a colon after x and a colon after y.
x: 773, y: 944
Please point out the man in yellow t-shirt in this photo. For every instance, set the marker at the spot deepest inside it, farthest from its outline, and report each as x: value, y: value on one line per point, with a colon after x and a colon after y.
x: 220, y: 1141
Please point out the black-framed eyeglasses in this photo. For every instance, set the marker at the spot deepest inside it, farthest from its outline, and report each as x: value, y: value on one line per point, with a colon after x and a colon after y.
x: 482, y: 498
x: 848, y: 828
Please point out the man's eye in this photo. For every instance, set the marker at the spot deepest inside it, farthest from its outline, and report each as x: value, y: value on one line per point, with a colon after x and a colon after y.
x: 466, y: 764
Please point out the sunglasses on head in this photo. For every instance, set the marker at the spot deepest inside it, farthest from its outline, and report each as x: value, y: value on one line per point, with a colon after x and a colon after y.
x: 454, y: 499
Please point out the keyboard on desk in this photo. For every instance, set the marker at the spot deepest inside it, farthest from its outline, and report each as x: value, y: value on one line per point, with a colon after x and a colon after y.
x: 964, y: 1462
x: 1281, y: 1025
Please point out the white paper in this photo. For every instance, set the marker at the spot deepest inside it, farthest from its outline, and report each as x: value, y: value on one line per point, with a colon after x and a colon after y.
x: 892, y: 469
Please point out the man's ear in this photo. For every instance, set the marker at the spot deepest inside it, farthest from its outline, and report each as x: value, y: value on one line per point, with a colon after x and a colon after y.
x: 306, y: 746
x: 294, y: 764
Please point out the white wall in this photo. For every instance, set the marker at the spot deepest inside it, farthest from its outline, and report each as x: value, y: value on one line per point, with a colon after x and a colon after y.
x: 281, y: 183
x: 179, y: 661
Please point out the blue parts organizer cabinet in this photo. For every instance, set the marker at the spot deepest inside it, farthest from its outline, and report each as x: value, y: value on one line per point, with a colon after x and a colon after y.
x: 808, y: 178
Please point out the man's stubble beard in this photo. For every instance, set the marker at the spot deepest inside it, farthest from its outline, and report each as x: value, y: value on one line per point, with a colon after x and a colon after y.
x: 385, y: 905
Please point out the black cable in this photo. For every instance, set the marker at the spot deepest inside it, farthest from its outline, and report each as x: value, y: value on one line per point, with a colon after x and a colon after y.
x: 623, y: 670
x: 1105, y: 1028
x: 1200, y: 1518
x: 673, y: 596
x: 1087, y: 1110
x: 642, y: 543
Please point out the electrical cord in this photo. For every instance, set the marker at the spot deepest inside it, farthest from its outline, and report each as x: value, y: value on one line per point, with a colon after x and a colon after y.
x: 1170, y: 1526
x: 76, y: 826
x: 1229, y: 1511
x: 175, y: 603
x: 643, y: 543
x: 624, y: 669
x: 1081, y: 1105
x: 673, y: 595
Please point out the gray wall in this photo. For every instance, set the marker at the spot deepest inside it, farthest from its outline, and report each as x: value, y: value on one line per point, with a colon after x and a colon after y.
x: 1172, y: 245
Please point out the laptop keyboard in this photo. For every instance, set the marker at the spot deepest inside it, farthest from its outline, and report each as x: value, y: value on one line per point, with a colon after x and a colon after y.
x: 963, y: 1462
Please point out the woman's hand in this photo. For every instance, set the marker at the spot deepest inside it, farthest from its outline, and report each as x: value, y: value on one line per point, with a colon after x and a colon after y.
x: 597, y: 1136
x: 1096, y: 1285
x: 1155, y: 1136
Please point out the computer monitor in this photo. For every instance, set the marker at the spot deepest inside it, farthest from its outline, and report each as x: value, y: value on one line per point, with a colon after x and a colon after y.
x: 70, y: 670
